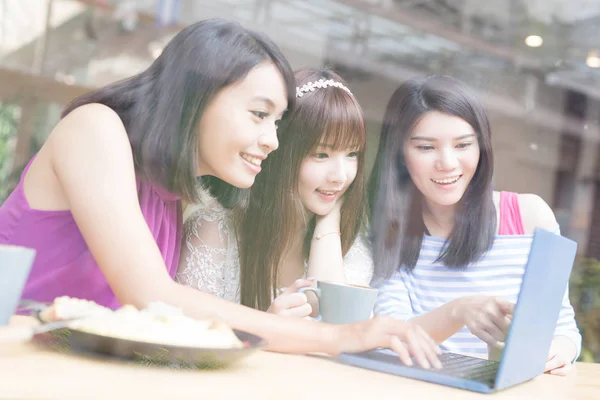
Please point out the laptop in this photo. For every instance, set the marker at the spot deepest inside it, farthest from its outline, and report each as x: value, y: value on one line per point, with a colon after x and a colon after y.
x: 15, y: 265
x: 529, y: 337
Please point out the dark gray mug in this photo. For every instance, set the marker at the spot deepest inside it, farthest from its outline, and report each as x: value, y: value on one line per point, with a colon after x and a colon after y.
x: 342, y: 303
x: 15, y: 265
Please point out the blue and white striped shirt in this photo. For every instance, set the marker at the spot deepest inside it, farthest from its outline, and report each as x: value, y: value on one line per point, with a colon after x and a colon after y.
x: 430, y: 285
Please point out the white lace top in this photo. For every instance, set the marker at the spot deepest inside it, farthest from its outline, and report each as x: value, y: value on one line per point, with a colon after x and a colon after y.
x: 210, y: 259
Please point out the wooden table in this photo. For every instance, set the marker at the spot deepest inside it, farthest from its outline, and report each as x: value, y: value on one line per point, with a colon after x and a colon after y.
x: 29, y: 372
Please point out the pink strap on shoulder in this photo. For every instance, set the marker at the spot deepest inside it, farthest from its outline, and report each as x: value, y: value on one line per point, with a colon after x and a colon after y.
x: 511, y: 222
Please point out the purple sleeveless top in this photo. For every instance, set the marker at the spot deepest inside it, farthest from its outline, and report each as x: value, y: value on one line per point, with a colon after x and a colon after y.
x: 64, y: 265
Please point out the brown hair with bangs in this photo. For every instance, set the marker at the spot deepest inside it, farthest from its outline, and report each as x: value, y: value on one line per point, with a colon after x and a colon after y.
x: 267, y: 227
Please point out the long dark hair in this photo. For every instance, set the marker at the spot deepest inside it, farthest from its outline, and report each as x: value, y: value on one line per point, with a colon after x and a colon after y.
x: 268, y: 226
x: 161, y: 107
x: 396, y: 204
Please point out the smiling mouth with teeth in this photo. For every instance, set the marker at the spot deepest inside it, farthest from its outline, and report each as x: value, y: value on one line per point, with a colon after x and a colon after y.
x: 328, y: 193
x: 446, y: 181
x: 252, y: 160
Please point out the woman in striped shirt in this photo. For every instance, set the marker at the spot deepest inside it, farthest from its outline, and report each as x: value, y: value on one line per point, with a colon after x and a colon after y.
x: 450, y: 252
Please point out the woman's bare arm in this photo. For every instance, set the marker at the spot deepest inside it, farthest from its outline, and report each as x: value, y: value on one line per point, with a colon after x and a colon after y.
x: 92, y: 159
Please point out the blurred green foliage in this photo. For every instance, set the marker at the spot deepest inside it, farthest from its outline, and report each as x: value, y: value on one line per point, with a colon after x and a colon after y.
x: 584, y: 290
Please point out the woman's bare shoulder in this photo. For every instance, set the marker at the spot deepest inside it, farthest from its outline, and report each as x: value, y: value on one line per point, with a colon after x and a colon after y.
x: 89, y: 123
x: 89, y: 137
x: 536, y: 213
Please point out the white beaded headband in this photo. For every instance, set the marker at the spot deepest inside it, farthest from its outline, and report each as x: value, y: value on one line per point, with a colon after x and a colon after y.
x: 321, y: 83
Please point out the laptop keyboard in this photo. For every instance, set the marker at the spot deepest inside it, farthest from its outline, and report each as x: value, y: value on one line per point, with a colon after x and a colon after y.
x: 453, y: 364
x: 476, y: 369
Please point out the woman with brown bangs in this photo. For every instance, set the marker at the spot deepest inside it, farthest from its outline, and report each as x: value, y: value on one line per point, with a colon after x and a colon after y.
x: 304, y: 213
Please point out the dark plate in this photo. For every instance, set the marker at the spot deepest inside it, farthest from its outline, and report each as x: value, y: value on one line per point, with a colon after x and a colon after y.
x: 72, y: 340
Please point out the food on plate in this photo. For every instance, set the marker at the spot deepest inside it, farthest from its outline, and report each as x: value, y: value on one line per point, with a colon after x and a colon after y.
x: 158, y: 323
x: 65, y: 307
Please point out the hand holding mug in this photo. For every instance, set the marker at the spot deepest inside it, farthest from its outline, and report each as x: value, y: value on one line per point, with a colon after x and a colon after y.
x: 290, y: 303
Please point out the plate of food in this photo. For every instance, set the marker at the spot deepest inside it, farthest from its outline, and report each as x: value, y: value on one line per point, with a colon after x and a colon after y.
x: 156, y: 335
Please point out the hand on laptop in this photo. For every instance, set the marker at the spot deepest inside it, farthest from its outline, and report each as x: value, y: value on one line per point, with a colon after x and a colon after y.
x: 487, y: 317
x: 562, y: 352
x: 406, y: 339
